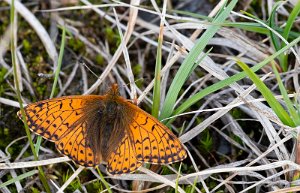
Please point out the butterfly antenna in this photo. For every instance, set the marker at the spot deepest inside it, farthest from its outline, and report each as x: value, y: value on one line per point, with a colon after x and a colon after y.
x: 127, y: 84
x: 140, y: 79
x: 83, y: 63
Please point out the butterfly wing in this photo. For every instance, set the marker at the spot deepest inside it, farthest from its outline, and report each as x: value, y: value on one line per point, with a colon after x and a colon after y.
x: 152, y: 141
x: 64, y: 121
x: 74, y: 145
x: 53, y: 118
x: 123, y: 160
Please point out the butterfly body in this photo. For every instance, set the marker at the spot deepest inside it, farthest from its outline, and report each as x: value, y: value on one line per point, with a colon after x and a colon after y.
x: 92, y: 129
x: 110, y: 124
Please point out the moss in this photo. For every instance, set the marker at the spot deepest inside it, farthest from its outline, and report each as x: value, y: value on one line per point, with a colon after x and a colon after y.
x: 139, y: 83
x: 76, y: 45
x: 237, y: 113
x: 26, y: 46
x: 99, y: 60
x: 38, y: 60
x: 206, y: 141
x: 74, y: 185
x: 96, y: 186
x: 236, y: 138
x: 109, y: 34
x: 137, y: 69
x: 34, y: 190
x: 113, y: 38
x: 3, y: 71
x: 40, y: 88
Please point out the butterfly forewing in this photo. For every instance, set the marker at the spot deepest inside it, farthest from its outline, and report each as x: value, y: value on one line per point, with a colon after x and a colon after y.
x: 54, y: 118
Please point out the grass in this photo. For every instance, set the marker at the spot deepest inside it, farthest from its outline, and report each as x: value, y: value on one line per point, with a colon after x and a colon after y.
x: 225, y: 82
x: 16, y: 68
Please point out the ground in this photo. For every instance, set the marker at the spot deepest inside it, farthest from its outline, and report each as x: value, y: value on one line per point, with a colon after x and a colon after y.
x: 185, y: 62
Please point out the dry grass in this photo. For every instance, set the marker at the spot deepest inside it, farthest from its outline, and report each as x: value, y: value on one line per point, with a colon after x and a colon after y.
x: 236, y: 142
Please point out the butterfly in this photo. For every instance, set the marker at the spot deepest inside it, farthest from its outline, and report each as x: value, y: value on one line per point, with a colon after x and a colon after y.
x: 93, y: 129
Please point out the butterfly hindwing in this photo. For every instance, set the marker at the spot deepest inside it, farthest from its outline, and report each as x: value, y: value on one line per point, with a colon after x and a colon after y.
x: 152, y: 141
x: 74, y: 145
x: 123, y: 160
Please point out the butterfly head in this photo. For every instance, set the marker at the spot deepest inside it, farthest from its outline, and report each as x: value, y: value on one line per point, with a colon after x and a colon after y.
x: 113, y: 92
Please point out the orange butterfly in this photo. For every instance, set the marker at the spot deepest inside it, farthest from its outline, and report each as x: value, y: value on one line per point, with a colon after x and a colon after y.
x: 91, y: 129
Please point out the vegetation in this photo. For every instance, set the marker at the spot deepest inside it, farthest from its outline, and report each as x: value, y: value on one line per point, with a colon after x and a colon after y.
x: 222, y: 75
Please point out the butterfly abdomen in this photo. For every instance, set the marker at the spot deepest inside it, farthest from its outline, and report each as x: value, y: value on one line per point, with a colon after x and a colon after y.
x: 112, y: 121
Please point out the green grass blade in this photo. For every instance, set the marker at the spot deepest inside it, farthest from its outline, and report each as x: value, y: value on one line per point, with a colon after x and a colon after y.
x: 275, y: 40
x: 16, y: 78
x: 226, y: 82
x: 157, y: 76
x: 60, y: 57
x: 258, y: 28
x: 292, y: 17
x: 191, y: 14
x: 18, y: 178
x: 38, y: 145
x: 188, y: 64
x: 288, y: 102
x: 61, y: 53
x: 268, y: 95
x: 177, y: 179
x: 194, y: 185
x: 104, y: 181
x: 272, y: 20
